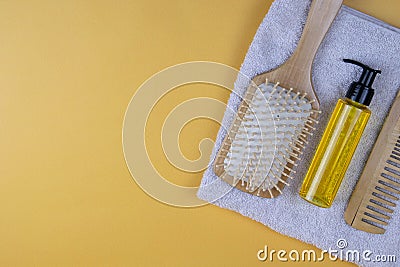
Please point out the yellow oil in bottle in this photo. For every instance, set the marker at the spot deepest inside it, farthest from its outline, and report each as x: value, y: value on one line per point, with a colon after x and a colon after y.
x: 334, y: 152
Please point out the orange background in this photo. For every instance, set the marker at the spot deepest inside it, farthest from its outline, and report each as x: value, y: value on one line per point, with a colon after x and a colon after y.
x: 68, y: 70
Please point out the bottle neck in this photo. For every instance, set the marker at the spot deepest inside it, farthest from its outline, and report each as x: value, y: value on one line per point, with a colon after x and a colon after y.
x: 355, y: 103
x: 360, y: 93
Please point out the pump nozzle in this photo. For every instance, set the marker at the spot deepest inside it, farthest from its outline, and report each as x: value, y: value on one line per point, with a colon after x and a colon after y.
x: 362, y: 91
x: 368, y: 76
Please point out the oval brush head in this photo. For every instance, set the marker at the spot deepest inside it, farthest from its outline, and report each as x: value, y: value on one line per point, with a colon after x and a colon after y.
x: 266, y: 139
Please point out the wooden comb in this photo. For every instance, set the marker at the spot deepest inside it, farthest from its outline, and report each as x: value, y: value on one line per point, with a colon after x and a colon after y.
x: 375, y: 195
x: 277, y: 114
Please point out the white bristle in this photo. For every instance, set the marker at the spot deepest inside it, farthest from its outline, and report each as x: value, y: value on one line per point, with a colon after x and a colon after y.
x: 269, y: 138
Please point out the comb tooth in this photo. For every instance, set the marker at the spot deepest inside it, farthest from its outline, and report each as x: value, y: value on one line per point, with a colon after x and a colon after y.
x: 394, y: 165
x: 389, y: 178
x: 383, y: 201
x: 379, y: 207
x: 394, y: 152
x: 372, y: 217
x: 385, y: 194
x: 388, y: 188
x: 377, y: 213
x: 379, y: 195
x: 367, y: 228
x: 395, y: 157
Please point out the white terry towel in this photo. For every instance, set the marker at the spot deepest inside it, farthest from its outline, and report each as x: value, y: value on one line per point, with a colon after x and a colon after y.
x: 353, y: 35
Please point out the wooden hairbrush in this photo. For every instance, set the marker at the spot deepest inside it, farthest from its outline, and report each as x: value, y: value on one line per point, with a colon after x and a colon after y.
x: 375, y: 195
x: 277, y: 114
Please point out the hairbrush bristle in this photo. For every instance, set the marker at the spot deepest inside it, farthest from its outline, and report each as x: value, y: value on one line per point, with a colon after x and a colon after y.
x: 271, y: 130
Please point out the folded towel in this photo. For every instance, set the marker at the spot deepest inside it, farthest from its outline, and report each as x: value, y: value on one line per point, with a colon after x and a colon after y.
x: 353, y: 35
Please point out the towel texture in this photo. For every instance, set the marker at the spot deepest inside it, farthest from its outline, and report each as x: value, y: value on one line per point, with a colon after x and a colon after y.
x: 353, y: 35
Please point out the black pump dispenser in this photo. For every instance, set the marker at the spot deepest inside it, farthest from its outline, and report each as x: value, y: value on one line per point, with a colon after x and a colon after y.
x: 362, y: 91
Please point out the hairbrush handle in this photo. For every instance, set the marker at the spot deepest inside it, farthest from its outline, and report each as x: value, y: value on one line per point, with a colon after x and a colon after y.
x: 321, y: 15
x: 296, y: 71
